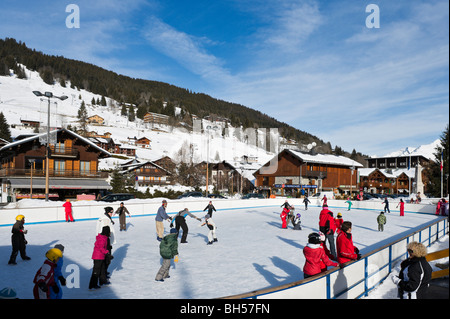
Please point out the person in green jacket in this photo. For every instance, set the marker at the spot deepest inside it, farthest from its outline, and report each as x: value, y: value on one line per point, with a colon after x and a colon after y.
x: 381, y: 219
x: 168, y: 248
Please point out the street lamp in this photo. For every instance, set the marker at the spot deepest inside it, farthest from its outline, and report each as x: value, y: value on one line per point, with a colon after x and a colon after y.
x: 208, y: 128
x: 48, y: 95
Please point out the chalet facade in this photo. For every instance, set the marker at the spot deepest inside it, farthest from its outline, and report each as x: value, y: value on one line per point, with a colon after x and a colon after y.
x: 234, y: 176
x: 146, y: 173
x: 143, y: 142
x: 155, y: 118
x: 294, y: 172
x: 73, y: 167
x: 95, y: 120
x: 387, y: 181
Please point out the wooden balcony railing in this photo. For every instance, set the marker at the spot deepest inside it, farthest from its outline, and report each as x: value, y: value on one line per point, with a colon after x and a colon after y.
x: 16, y: 172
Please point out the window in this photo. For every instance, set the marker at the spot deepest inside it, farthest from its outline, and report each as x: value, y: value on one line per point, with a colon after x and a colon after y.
x: 85, y: 166
x: 59, y: 167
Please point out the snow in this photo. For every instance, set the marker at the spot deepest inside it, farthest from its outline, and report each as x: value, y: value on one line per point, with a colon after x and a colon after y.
x: 17, y: 102
x: 427, y: 151
x: 252, y: 252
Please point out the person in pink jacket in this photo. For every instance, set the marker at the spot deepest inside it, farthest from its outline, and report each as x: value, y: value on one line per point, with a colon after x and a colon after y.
x: 68, y: 210
x: 98, y: 255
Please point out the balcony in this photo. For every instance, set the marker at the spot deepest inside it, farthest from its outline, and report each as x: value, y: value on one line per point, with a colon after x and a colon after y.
x: 17, y: 172
x: 63, y: 152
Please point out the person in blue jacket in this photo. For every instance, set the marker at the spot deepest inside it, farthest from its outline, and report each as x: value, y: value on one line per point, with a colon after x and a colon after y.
x: 59, y: 278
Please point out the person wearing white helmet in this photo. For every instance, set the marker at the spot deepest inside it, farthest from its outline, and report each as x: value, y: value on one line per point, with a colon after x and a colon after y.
x: 18, y: 240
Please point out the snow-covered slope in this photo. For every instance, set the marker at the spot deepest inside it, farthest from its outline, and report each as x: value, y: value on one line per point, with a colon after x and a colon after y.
x: 17, y: 102
x: 426, y: 151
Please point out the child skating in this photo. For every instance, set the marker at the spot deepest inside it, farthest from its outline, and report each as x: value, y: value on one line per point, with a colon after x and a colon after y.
x: 212, y: 229
x: 168, y: 249
x: 381, y: 220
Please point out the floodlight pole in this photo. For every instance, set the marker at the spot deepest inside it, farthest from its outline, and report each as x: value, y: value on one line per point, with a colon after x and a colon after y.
x: 48, y: 95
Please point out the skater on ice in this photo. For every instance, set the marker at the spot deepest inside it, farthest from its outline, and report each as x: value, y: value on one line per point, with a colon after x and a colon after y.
x: 328, y: 227
x: 210, y: 208
x: 106, y: 220
x: 291, y: 216
x: 297, y: 222
x: 168, y: 249
x: 212, y: 238
x: 161, y: 215
x: 121, y: 211
x: 68, y: 211
x: 415, y: 273
x: 381, y: 220
x: 349, y: 202
x: 386, y: 205
x: 59, y: 278
x: 99, y: 276
x: 306, y: 201
x: 283, y: 216
x: 338, y: 222
x: 44, y: 280
x: 180, y: 221
x: 401, y: 203
x: 18, y: 240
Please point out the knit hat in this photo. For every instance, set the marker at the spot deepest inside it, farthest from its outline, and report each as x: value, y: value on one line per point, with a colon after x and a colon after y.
x: 8, y: 293
x: 106, y: 231
x: 173, y: 231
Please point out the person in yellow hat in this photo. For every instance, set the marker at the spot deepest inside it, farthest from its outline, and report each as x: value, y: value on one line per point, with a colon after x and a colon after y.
x: 18, y: 240
x: 44, y: 280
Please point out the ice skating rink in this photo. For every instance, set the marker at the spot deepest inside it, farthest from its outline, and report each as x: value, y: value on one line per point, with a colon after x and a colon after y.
x: 252, y: 252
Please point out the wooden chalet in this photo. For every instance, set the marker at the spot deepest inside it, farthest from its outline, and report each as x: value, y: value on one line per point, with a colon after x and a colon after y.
x: 96, y: 120
x: 73, y: 167
x: 143, y: 142
x: 386, y: 181
x: 147, y: 173
x: 156, y: 118
x: 294, y: 172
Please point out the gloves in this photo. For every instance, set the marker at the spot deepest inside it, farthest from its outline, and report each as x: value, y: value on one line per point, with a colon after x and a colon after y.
x: 43, y: 286
x: 55, y: 288
x: 62, y: 280
x: 395, y: 279
x: 358, y: 256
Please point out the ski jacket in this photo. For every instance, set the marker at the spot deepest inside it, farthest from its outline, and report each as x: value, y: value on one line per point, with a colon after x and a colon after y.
x: 381, y: 219
x: 338, y: 222
x: 45, y: 274
x: 161, y: 214
x: 100, y: 247
x: 415, y: 274
x: 326, y: 222
x: 67, y: 207
x: 168, y: 248
x: 315, y: 259
x: 210, y: 209
x: 122, y: 210
x: 346, y: 251
x: 106, y: 221
x: 184, y: 213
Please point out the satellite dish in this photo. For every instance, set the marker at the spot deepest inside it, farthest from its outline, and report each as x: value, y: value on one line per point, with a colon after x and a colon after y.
x: 314, y: 144
x: 309, y: 146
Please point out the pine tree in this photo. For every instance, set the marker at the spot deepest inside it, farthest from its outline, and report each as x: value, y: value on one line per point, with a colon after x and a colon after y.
x: 5, y: 132
x: 117, y: 182
x: 433, y: 169
x: 82, y: 117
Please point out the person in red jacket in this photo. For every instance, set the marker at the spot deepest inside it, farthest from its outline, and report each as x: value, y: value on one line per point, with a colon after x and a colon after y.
x: 328, y: 227
x: 44, y: 280
x: 338, y: 222
x: 68, y: 210
x: 283, y: 216
x: 346, y: 251
x: 402, y: 207
x: 315, y: 257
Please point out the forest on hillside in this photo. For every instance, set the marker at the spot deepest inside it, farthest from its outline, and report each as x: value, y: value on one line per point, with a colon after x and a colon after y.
x: 146, y: 95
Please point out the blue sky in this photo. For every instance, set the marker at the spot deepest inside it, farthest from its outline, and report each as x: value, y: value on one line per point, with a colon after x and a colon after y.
x: 312, y: 64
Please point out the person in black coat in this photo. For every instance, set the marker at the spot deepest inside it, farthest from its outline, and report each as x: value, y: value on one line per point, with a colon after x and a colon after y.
x: 210, y: 208
x: 18, y: 240
x: 415, y: 273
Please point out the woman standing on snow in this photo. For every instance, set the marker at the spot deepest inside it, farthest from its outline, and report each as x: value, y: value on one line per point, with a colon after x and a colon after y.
x: 415, y: 274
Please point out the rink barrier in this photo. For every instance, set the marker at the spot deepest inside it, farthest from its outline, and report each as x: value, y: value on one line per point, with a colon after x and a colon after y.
x: 356, y: 278
x: 92, y: 211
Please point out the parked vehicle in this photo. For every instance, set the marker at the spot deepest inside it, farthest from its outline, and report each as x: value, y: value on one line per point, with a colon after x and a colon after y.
x: 253, y: 195
x: 119, y: 197
x: 190, y: 194
x: 215, y: 196
x: 330, y: 195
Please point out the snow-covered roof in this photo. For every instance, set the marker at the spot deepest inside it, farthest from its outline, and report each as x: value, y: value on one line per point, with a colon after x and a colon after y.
x: 390, y: 173
x: 426, y: 151
x: 37, y: 136
x: 325, y: 159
